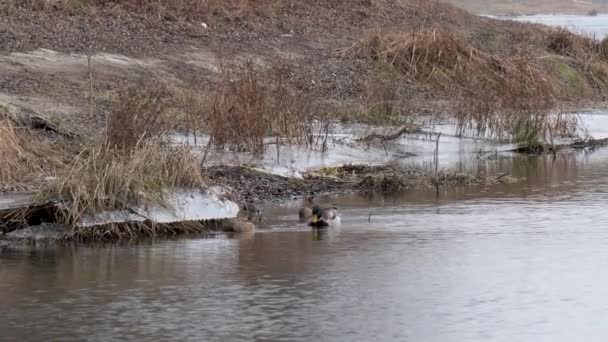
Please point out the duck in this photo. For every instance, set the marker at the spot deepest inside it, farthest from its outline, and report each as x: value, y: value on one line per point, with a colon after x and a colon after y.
x: 324, y: 217
x: 251, y: 211
x: 305, y: 213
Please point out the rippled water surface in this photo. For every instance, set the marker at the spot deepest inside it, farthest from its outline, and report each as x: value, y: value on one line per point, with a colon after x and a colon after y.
x: 522, y: 262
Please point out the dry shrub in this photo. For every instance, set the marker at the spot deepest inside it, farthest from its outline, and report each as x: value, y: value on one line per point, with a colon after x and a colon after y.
x: 238, y: 111
x: 499, y: 96
x: 193, y: 103
x: 493, y: 92
x: 566, y: 43
x: 427, y: 54
x: 380, y: 96
x: 101, y: 178
x: 138, y: 113
x: 245, y: 110
x: 603, y: 49
x: 24, y: 157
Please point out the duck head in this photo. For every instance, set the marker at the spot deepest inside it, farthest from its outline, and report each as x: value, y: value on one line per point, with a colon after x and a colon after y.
x: 317, y: 214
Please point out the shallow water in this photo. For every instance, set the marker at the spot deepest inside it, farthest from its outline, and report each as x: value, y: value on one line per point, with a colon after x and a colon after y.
x: 519, y: 262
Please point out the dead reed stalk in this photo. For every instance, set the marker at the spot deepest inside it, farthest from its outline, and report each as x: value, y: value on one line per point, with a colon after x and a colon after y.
x: 138, y: 113
x: 256, y: 105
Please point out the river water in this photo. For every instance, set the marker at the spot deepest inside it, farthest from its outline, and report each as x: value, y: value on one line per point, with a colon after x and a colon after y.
x: 521, y: 262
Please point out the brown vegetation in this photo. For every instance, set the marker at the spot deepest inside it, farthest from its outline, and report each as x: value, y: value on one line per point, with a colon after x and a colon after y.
x: 26, y: 158
x: 138, y: 113
x: 382, y: 104
x: 563, y: 42
x: 101, y: 178
x: 493, y: 92
x: 248, y: 106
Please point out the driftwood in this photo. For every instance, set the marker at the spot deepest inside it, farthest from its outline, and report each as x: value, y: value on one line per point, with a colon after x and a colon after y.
x: 589, y: 143
x: 387, y: 137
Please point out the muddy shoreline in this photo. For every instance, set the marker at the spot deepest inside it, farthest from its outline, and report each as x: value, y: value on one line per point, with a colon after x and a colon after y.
x: 260, y: 188
x: 244, y: 186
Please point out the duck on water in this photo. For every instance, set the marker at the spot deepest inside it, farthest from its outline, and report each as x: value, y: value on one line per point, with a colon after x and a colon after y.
x: 324, y: 217
x: 319, y: 216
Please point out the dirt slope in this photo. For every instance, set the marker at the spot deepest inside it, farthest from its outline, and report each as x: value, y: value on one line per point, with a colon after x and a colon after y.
x: 44, y: 43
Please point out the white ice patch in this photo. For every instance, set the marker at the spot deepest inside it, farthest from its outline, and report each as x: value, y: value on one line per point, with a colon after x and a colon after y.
x: 186, y: 205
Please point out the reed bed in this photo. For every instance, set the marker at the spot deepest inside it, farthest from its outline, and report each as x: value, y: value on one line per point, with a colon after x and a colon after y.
x: 494, y: 92
x: 102, y: 178
x: 250, y: 105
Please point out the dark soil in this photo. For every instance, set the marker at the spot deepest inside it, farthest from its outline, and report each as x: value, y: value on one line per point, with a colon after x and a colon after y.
x: 260, y: 187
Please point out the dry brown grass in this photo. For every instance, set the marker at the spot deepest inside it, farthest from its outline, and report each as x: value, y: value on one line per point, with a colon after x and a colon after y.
x: 26, y: 159
x: 101, y: 178
x: 493, y: 92
x: 563, y: 42
x: 426, y: 54
x: 603, y: 49
x: 139, y: 112
x: 382, y: 103
x: 245, y: 110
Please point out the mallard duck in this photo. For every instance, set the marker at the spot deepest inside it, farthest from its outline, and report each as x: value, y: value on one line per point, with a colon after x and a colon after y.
x: 324, y: 217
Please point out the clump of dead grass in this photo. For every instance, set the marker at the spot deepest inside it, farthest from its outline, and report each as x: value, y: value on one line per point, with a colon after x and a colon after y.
x: 102, y: 178
x: 247, y: 107
x: 25, y: 159
x: 603, y: 49
x: 381, y: 101
x: 426, y: 54
x: 138, y: 112
x: 493, y: 92
x: 564, y: 42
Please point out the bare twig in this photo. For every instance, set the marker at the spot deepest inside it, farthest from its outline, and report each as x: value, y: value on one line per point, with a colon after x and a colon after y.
x: 502, y: 176
x: 437, y: 163
x: 91, y: 95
